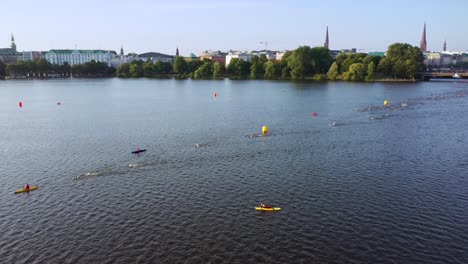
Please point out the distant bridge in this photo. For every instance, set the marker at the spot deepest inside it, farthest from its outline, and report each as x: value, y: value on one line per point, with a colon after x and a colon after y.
x: 426, y: 76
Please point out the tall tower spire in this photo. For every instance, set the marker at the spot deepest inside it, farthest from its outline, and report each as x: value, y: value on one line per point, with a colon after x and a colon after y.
x: 13, y: 45
x: 445, y: 45
x: 327, y: 43
x: 121, y: 51
x: 177, y: 52
x: 423, y: 45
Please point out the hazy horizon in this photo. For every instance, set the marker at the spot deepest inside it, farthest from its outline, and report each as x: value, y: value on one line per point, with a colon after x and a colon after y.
x: 210, y: 25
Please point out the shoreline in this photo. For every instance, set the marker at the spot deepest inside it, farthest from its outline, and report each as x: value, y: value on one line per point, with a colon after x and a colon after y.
x: 176, y: 77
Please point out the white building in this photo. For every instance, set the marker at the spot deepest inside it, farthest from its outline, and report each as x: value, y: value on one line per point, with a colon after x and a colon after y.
x: 279, y: 55
x: 245, y: 56
x: 73, y: 57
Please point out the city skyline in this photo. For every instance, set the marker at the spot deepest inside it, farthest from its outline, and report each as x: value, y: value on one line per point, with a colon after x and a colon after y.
x: 243, y: 25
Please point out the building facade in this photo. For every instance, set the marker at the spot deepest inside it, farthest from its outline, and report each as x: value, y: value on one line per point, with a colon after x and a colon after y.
x: 214, y: 56
x: 73, y: 57
x: 156, y: 56
x: 245, y: 56
x: 10, y: 55
x: 31, y: 55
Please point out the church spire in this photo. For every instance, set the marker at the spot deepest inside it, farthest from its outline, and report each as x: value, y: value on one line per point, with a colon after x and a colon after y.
x: 121, y: 51
x: 423, y: 45
x: 327, y: 43
x: 177, y: 52
x: 445, y: 45
x: 13, y: 45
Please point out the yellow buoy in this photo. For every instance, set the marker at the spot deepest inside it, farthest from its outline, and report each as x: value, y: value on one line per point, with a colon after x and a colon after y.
x: 385, y: 102
x: 265, y: 130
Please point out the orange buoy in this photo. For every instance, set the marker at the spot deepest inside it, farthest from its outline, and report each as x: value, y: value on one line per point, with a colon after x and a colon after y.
x: 20, y: 104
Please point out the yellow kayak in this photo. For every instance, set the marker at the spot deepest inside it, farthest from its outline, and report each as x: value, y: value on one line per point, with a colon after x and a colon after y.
x: 31, y: 188
x: 267, y: 208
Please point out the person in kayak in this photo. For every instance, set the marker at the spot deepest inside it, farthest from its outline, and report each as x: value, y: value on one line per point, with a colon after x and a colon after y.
x: 26, y: 187
x: 262, y: 205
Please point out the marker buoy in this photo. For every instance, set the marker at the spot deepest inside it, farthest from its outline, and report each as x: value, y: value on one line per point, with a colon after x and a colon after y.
x: 264, y: 130
x: 314, y: 114
x: 58, y: 103
x: 385, y: 103
x: 20, y: 104
x: 215, y: 94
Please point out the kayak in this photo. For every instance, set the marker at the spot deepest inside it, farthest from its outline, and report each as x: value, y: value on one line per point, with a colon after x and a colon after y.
x: 267, y: 208
x: 138, y: 151
x: 31, y: 188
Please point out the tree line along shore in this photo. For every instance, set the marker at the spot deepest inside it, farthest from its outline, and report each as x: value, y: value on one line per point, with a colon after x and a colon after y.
x: 402, y: 62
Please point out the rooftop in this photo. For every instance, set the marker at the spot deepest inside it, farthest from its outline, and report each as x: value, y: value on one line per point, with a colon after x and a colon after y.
x: 68, y: 51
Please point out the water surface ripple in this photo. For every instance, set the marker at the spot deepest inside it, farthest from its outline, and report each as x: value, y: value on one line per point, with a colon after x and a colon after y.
x: 359, y: 183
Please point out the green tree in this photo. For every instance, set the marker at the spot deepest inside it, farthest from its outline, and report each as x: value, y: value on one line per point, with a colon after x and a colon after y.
x: 356, y: 72
x: 385, y: 67
x: 2, y: 70
x: 321, y: 60
x: 406, y: 61
x: 193, y: 65
x: 272, y: 70
x: 217, y: 70
x: 411, y: 69
x: 333, y: 72
x: 351, y: 59
x: 180, y: 65
x: 399, y: 69
x: 136, y: 70
x: 239, y: 68
x: 123, y: 71
x: 11, y: 70
x: 257, y: 68
x: 43, y: 67
x: 204, y: 71
x: 148, y: 69
x: 370, y: 71
x: 300, y: 62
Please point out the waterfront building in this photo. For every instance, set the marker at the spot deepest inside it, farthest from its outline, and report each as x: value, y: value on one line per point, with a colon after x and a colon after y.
x: 423, y: 44
x: 10, y: 55
x: 442, y: 59
x: 31, y: 55
x: 156, y: 56
x: 280, y: 54
x: 334, y: 53
x: 214, y: 56
x: 270, y: 54
x: 463, y: 58
x: 72, y: 57
x: 377, y: 53
x: 349, y: 51
x: 192, y: 57
x: 245, y: 56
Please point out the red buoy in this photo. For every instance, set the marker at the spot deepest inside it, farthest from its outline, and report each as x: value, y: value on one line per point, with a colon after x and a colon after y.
x: 20, y: 104
x: 314, y: 114
x: 215, y: 94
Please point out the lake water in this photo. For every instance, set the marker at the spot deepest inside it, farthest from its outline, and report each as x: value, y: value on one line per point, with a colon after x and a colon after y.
x: 358, y: 183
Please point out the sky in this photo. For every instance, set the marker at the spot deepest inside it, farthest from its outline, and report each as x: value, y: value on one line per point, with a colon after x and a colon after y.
x: 195, y: 26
